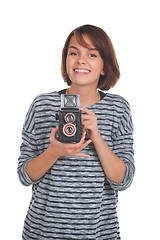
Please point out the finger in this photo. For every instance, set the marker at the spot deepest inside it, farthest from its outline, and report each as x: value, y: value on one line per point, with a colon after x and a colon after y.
x: 83, y: 134
x: 86, y: 110
x: 84, y: 145
x: 74, y: 150
x: 85, y: 117
x: 53, y: 132
x: 82, y: 155
x: 76, y: 145
x: 89, y: 124
x: 56, y: 129
x: 83, y: 137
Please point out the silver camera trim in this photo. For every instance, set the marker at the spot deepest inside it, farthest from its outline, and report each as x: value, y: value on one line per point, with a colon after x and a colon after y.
x: 69, y: 125
x: 76, y: 103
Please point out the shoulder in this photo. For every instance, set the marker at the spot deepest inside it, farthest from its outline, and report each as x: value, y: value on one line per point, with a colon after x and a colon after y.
x: 121, y: 111
x: 117, y: 101
x: 47, y: 97
x: 42, y: 105
x: 43, y: 101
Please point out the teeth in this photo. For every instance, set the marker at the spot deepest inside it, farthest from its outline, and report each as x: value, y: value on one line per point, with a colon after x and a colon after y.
x: 81, y: 70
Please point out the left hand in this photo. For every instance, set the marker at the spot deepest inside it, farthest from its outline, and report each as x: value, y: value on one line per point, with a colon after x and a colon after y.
x: 89, y: 123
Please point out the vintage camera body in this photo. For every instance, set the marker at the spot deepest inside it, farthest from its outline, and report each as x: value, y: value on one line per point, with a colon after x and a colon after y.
x: 69, y: 117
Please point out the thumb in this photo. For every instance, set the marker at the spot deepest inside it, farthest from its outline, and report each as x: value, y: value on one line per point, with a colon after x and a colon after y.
x: 53, y: 133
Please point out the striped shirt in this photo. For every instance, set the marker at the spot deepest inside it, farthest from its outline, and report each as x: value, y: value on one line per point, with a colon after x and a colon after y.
x: 75, y: 199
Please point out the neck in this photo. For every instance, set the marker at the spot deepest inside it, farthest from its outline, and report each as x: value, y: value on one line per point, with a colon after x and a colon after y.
x: 88, y: 96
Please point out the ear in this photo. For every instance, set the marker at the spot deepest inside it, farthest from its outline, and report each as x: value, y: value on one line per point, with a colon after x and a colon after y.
x: 102, y: 72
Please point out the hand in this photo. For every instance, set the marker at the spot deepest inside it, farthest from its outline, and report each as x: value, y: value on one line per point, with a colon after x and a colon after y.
x: 89, y: 123
x: 68, y: 149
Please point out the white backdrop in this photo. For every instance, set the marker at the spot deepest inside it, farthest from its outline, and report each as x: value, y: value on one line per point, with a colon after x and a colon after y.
x: 32, y: 35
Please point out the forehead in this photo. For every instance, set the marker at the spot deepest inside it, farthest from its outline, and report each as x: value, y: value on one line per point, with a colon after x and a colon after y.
x: 84, y: 41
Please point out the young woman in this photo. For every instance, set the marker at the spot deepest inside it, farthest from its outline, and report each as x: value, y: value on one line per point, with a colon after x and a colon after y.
x: 75, y: 185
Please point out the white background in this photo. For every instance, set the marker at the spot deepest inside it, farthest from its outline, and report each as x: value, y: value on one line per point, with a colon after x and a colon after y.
x: 32, y: 35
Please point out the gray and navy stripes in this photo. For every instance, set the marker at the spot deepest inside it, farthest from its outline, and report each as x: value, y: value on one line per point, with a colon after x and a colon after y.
x: 74, y: 199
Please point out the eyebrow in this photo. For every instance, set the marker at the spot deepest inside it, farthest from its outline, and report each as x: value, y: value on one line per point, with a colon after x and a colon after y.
x: 89, y: 49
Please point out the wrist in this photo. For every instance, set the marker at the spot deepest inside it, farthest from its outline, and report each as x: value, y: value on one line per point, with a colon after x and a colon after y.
x: 52, y: 152
x: 97, y: 138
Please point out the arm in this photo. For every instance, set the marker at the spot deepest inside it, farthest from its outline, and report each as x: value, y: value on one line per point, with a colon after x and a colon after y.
x: 113, y: 166
x: 33, y: 164
x: 38, y: 166
x: 118, y: 164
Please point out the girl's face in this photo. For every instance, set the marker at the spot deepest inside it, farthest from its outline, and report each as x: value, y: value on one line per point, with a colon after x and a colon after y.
x: 83, y: 65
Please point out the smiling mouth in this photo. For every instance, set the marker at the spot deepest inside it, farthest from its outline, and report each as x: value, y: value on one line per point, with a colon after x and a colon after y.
x: 80, y: 70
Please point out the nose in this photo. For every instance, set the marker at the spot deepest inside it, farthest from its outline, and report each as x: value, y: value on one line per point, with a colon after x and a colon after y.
x: 81, y: 59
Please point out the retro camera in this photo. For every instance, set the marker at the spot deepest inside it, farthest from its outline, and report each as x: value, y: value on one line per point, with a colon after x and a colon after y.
x: 69, y: 117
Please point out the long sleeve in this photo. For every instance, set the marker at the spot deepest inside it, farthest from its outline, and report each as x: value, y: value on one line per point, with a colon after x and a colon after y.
x: 123, y: 148
x: 75, y: 194
x: 28, y: 148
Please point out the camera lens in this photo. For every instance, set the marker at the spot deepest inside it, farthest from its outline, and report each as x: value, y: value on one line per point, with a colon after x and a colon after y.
x: 69, y: 130
x: 69, y: 117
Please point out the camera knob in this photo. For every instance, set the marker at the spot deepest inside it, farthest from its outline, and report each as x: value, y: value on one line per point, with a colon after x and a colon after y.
x: 57, y: 116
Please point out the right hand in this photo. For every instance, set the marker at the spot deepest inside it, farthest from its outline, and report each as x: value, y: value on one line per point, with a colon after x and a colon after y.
x: 68, y: 149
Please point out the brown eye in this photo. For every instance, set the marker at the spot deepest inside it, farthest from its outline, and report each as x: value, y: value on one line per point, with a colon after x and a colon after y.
x: 92, y: 55
x: 74, y: 54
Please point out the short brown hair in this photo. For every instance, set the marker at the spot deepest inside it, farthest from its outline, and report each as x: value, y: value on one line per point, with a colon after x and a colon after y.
x: 103, y: 44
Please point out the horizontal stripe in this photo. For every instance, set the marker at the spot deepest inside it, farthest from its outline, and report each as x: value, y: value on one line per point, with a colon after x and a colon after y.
x: 74, y: 199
